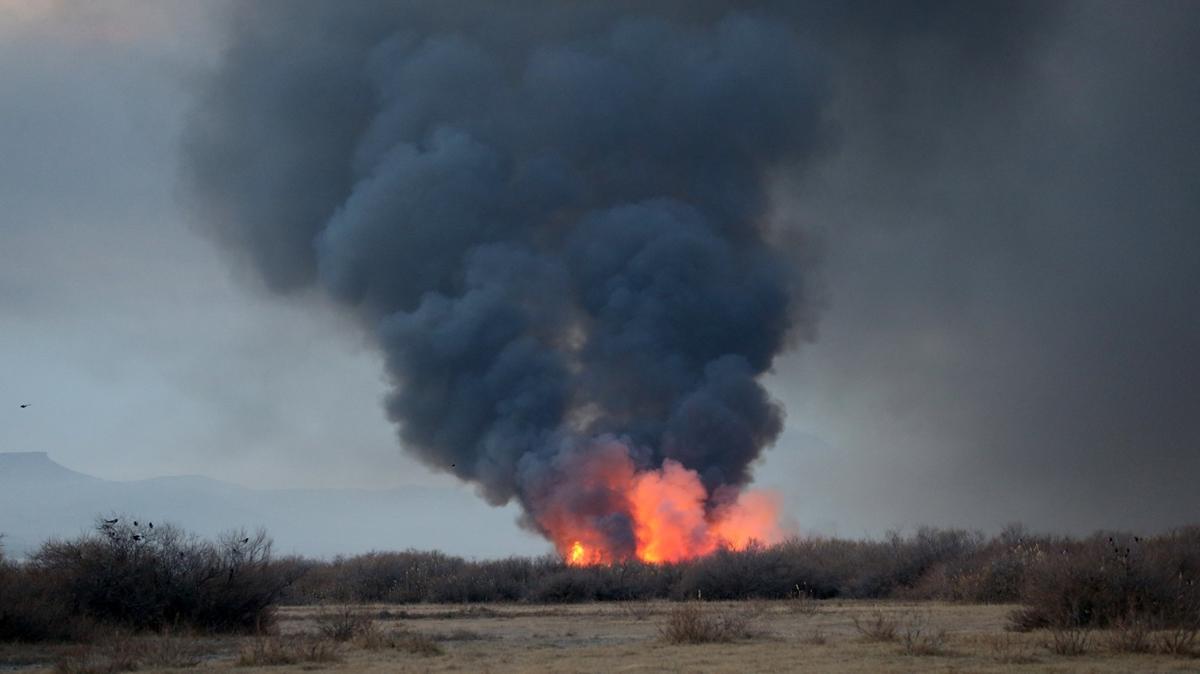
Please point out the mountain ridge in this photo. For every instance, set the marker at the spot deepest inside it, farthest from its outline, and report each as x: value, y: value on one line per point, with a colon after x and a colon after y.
x: 42, y: 499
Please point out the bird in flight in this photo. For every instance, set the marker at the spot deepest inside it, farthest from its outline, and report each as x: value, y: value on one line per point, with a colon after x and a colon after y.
x: 24, y: 405
x: 112, y: 521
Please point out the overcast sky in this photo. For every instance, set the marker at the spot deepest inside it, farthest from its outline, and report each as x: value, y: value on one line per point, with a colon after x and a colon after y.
x: 1005, y: 233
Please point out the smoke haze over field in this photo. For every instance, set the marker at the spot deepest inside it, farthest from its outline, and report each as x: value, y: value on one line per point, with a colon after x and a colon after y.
x: 956, y: 242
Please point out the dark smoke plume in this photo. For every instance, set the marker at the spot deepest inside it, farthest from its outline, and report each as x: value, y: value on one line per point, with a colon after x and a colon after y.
x: 551, y: 215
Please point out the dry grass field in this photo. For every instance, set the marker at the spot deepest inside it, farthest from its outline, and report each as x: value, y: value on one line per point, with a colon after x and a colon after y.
x: 831, y: 636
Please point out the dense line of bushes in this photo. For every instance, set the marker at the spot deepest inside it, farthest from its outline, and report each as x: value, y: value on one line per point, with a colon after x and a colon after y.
x: 150, y: 579
x: 1102, y: 581
x: 817, y: 568
x: 141, y: 578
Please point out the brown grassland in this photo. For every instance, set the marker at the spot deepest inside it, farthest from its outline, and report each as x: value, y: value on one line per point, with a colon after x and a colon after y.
x: 751, y: 636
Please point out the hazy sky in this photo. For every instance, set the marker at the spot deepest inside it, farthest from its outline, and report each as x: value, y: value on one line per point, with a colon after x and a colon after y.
x: 1005, y: 226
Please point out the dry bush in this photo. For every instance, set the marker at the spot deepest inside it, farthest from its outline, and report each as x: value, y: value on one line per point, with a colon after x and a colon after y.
x: 121, y: 652
x: 343, y: 623
x: 1114, y: 578
x: 877, y: 627
x: 1177, y: 641
x: 693, y: 623
x: 460, y: 635
x: 1069, y: 640
x: 418, y: 644
x: 401, y: 639
x: 372, y: 638
x: 1131, y: 635
x: 143, y: 578
x: 274, y: 651
x: 31, y: 611
x: 638, y: 610
x: 919, y: 637
x: 117, y: 655
x: 1011, y: 649
x: 991, y: 572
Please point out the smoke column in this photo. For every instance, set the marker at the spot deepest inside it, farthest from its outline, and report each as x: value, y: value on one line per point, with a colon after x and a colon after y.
x: 551, y: 219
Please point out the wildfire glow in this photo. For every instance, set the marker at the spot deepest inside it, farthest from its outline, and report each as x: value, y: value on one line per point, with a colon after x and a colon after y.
x: 672, y: 514
x: 576, y: 556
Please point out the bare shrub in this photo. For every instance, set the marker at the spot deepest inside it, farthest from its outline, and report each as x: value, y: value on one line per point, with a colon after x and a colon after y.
x: 169, y: 651
x: 275, y: 651
x: 419, y: 644
x: 143, y: 578
x: 343, y: 623
x: 1180, y: 640
x: 372, y: 638
x: 122, y: 652
x: 118, y: 654
x: 1131, y: 635
x: 638, y: 610
x: 693, y: 623
x: 31, y: 611
x: 919, y: 637
x: 375, y: 639
x: 877, y: 627
x: 1115, y: 578
x: 817, y: 638
x: 459, y: 635
x: 1069, y: 640
x: 1011, y: 649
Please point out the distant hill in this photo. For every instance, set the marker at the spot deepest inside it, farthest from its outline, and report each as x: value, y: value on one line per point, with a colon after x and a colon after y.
x: 40, y: 498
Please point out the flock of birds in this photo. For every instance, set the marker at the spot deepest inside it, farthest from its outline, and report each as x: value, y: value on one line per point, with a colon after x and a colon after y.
x: 109, y: 528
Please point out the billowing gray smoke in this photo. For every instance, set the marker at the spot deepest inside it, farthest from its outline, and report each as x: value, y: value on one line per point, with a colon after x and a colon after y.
x: 550, y: 214
x: 555, y: 240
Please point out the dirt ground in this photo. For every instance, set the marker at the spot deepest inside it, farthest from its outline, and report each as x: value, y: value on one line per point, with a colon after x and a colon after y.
x: 784, y: 636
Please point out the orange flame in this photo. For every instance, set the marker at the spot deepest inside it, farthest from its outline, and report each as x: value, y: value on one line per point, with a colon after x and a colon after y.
x: 673, y: 519
x: 577, y: 554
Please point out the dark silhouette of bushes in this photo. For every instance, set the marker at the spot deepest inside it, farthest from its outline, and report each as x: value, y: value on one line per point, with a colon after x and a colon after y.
x: 142, y: 578
x: 951, y: 565
x: 1113, y: 580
